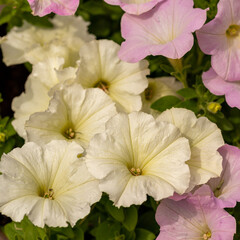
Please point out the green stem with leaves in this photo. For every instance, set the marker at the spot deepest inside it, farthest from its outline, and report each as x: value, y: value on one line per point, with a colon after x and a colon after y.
x: 178, y: 67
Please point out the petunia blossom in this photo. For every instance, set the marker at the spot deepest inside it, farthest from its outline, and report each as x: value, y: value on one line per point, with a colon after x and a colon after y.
x: 51, y: 185
x: 221, y: 38
x: 157, y: 88
x: 204, y: 138
x: 219, y: 86
x: 137, y: 156
x: 196, y: 217
x: 165, y: 30
x: 34, y: 44
x: 74, y: 114
x: 135, y: 7
x: 227, y: 188
x: 61, y: 7
x: 45, y: 75
x: 100, y: 67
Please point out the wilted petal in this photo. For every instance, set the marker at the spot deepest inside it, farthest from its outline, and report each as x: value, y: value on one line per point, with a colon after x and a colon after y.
x: 227, y: 186
x: 62, y: 7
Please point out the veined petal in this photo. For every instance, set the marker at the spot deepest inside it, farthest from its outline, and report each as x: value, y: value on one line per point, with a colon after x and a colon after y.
x: 135, y: 157
x: 204, y: 138
x: 171, y: 24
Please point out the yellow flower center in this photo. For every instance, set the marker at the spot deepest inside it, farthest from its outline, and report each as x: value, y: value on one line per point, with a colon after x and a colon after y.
x: 49, y: 194
x: 69, y: 133
x: 135, y: 171
x: 207, y: 235
x: 102, y: 85
x: 233, y: 31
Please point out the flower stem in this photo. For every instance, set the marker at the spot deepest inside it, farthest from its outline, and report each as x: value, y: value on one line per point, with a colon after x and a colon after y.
x: 178, y: 67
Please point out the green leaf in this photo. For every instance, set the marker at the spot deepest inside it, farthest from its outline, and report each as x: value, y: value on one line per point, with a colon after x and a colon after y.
x: 143, y: 234
x: 131, y: 218
x: 187, y: 93
x: 167, y: 68
x: 108, y: 231
x: 6, y: 14
x: 38, y: 21
x: 189, y: 104
x: 225, y: 124
x: 148, y: 222
x: 24, y: 230
x: 116, y: 213
x: 166, y: 102
x: 78, y: 234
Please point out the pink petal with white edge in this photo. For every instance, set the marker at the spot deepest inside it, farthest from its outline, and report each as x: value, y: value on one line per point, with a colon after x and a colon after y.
x: 227, y: 187
x: 165, y: 30
x: 131, y: 7
x: 194, y: 218
x: 62, y: 7
x: 218, y: 86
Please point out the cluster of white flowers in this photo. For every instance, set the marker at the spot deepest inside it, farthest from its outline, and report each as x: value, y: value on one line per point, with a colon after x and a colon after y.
x: 85, y: 116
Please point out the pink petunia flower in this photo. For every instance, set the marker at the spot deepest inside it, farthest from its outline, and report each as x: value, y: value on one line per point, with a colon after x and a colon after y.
x: 165, y: 30
x: 218, y: 86
x: 135, y: 7
x: 196, y: 217
x: 60, y: 7
x: 226, y: 188
x: 221, y: 39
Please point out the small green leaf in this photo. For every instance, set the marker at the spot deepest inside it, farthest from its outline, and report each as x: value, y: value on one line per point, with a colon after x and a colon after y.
x: 188, y: 104
x: 131, y: 218
x: 167, y: 68
x: 225, y: 124
x: 107, y: 231
x: 38, y: 21
x: 143, y: 234
x: 24, y: 230
x: 116, y: 213
x: 166, y: 102
x: 187, y: 93
x: 78, y: 234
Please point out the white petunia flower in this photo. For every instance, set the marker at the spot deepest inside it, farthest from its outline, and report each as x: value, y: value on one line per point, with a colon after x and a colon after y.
x: 157, y: 88
x: 35, y: 44
x: 137, y: 156
x: 204, y: 137
x: 50, y: 185
x: 44, y: 76
x: 123, y: 82
x: 74, y: 114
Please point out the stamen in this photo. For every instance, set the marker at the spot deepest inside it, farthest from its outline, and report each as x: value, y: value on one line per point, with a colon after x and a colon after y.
x: 233, y: 31
x: 69, y: 133
x: 148, y: 93
x: 102, y: 85
x: 135, y: 172
x: 207, y: 235
x: 49, y: 194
